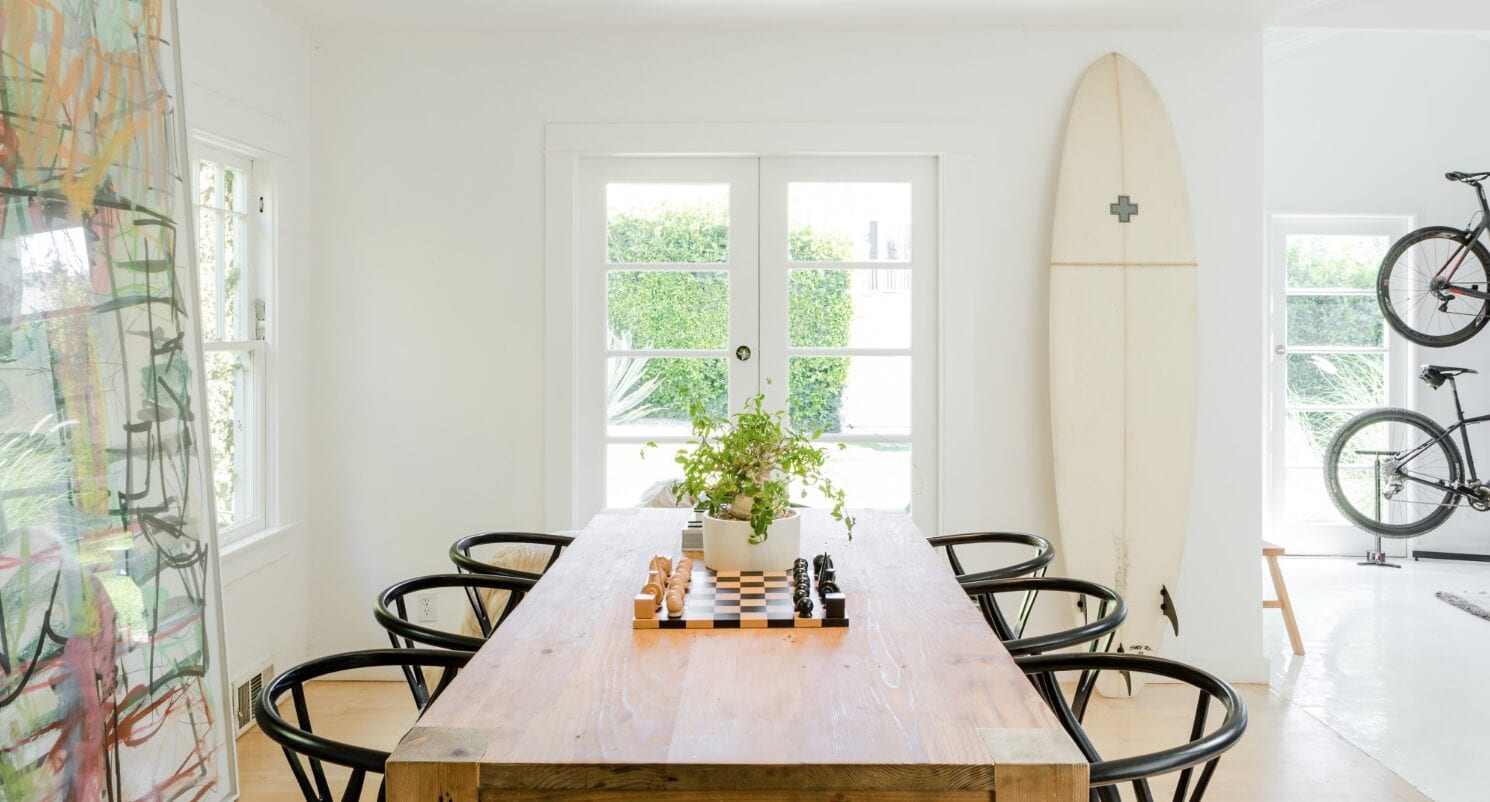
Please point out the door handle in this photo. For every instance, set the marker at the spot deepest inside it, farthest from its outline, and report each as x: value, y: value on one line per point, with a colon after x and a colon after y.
x: 1280, y: 350
x: 743, y: 353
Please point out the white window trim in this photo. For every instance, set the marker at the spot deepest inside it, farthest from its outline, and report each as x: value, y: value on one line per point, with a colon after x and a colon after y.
x: 565, y: 144
x: 259, y: 281
x: 1400, y: 356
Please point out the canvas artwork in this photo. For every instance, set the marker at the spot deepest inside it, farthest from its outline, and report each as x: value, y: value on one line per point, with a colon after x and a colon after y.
x: 111, y: 662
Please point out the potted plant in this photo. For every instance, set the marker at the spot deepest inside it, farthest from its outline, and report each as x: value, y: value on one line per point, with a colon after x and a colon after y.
x: 741, y: 471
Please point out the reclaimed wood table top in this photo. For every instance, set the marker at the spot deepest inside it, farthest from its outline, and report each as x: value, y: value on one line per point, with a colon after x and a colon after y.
x: 916, y: 699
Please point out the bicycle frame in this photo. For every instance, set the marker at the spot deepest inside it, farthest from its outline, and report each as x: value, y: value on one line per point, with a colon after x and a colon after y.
x: 1463, y: 428
x: 1454, y: 262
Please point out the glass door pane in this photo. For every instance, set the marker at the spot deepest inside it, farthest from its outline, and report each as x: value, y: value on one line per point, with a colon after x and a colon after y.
x: 1335, y: 361
x: 670, y: 253
x: 848, y: 255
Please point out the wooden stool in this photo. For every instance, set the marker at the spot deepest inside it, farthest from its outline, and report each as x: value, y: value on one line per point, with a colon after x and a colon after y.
x: 1272, y: 553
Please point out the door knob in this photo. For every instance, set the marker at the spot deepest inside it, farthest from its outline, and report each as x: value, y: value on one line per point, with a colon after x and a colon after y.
x: 743, y: 353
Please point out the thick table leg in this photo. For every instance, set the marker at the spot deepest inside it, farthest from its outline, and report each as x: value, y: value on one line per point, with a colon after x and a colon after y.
x: 1036, y: 766
x: 437, y: 765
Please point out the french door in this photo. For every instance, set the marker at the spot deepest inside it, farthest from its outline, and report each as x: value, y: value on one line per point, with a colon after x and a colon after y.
x: 1333, y: 358
x: 706, y: 281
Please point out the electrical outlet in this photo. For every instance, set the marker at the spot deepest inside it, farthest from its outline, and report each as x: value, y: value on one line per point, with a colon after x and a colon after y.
x: 424, y: 607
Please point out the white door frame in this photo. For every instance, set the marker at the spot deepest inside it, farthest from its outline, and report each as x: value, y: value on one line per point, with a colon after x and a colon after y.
x: 1339, y: 538
x: 565, y: 144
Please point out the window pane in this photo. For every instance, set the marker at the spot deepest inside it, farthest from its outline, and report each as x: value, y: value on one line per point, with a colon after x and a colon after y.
x: 232, y: 234
x: 849, y: 222
x: 667, y: 223
x: 1335, y: 261
x: 850, y: 308
x: 233, y: 187
x: 875, y: 476
x: 631, y: 471
x: 229, y: 394
x: 207, y: 272
x: 1335, y: 320
x: 206, y: 183
x: 651, y: 396
x: 851, y: 395
x: 1307, y: 434
x: 1355, y: 380
x: 665, y: 309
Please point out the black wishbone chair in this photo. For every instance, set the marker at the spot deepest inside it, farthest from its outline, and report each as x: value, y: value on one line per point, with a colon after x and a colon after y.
x: 460, y: 551
x: 405, y: 634
x: 1034, y: 566
x: 1106, y: 775
x: 392, y: 611
x: 1110, y: 613
x: 298, y: 740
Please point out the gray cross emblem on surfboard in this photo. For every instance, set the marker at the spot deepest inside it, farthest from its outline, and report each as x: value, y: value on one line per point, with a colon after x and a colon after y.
x: 1124, y: 209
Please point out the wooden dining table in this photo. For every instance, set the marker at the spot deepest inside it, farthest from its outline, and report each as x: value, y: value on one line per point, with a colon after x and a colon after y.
x: 915, y: 699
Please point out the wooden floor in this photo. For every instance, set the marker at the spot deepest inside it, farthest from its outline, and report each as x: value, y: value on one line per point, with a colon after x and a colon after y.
x: 1286, y: 754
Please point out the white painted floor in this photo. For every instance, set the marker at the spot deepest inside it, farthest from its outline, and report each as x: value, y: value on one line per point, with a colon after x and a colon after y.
x: 1399, y: 674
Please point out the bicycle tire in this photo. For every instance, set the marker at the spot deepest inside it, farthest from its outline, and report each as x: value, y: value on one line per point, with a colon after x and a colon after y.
x: 1392, y: 263
x: 1342, y: 503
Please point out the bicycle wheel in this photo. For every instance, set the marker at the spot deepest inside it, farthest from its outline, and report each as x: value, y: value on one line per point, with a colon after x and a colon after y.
x: 1416, y: 286
x: 1405, y: 495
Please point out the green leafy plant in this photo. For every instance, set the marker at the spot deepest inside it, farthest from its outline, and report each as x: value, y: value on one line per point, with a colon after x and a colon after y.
x: 627, y: 390
x: 742, y: 467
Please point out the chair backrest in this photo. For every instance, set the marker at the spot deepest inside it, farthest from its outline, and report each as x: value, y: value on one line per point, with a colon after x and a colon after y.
x: 1109, y: 614
x: 304, y: 747
x: 392, y: 610
x: 1202, y: 747
x: 460, y: 551
x: 1036, y: 565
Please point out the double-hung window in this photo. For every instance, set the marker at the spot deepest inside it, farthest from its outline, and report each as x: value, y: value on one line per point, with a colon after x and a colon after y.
x: 229, y: 233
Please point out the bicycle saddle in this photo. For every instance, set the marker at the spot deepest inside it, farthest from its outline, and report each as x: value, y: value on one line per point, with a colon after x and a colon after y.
x: 1435, y: 375
x: 1467, y: 178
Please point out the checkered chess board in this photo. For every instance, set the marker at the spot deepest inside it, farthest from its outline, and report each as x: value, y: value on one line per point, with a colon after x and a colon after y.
x: 740, y: 600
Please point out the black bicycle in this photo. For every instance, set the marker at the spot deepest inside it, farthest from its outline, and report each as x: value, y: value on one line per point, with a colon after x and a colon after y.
x: 1396, y: 473
x: 1432, y: 285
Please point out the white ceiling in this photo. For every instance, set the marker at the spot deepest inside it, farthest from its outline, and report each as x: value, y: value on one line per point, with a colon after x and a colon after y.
x: 883, y: 14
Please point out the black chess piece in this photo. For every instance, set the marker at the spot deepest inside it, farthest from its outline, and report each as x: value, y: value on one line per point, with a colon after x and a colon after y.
x: 827, y: 575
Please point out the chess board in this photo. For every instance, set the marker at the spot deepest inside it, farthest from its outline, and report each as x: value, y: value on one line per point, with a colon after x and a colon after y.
x: 740, y: 600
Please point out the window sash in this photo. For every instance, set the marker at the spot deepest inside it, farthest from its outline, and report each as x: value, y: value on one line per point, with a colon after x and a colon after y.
x: 250, y: 502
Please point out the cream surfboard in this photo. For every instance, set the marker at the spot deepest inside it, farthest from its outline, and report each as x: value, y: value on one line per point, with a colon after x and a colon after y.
x: 1123, y: 351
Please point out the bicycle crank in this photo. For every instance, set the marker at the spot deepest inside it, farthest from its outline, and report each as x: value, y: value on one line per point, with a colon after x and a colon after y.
x: 1479, y: 497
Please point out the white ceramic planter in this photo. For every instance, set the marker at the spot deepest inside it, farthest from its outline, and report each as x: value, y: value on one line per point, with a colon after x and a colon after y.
x: 727, y: 545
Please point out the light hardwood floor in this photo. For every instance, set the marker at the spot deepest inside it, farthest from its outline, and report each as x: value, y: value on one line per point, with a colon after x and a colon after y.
x: 1286, y: 755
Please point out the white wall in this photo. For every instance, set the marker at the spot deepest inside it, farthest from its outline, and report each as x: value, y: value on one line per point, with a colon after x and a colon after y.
x: 245, y: 71
x: 428, y: 414
x: 1368, y: 123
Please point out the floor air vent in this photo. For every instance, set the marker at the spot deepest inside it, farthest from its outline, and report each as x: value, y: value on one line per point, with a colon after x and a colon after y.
x: 244, y: 694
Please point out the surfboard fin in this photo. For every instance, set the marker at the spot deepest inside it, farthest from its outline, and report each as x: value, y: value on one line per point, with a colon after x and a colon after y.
x: 1127, y: 677
x: 1166, y: 604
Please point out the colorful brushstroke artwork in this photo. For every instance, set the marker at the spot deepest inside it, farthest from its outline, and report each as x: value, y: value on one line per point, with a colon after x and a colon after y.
x: 111, y: 668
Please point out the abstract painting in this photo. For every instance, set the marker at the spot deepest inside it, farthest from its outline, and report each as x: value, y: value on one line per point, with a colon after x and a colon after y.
x: 111, y: 655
